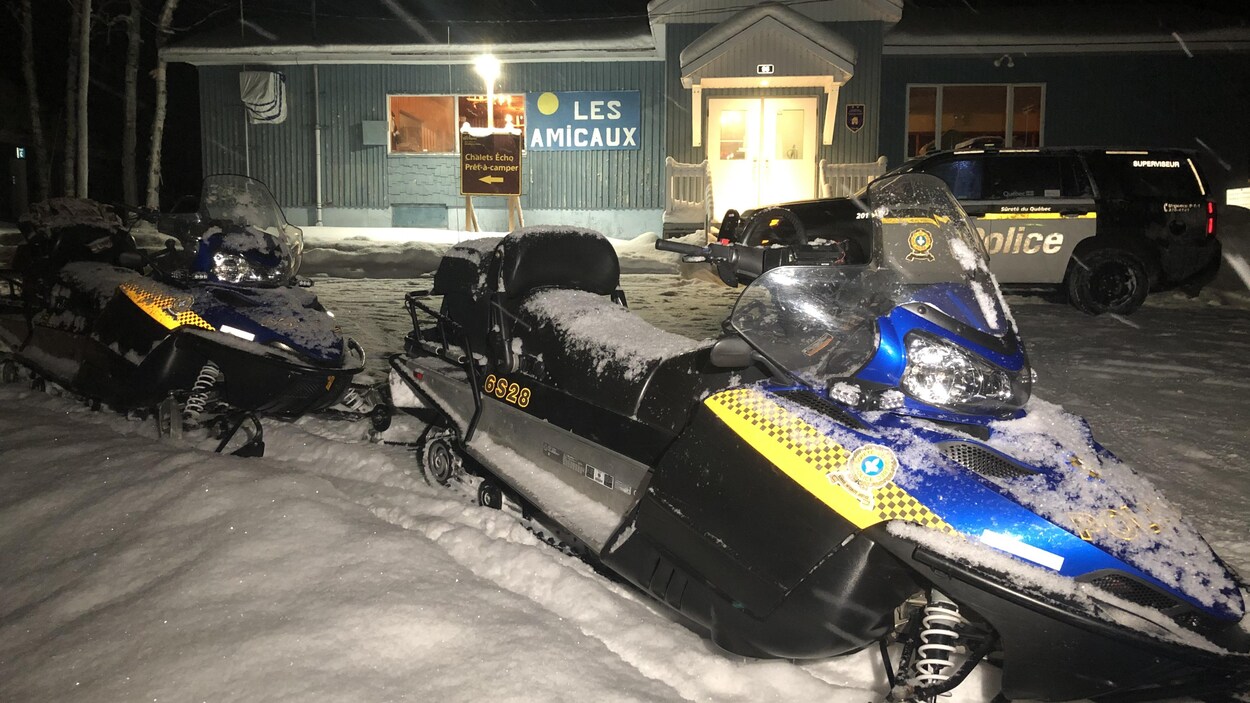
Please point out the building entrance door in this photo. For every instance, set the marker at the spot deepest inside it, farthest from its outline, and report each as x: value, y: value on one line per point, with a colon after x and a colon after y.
x: 761, y: 150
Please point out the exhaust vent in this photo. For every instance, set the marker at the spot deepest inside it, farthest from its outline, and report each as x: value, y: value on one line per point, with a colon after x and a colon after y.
x: 1134, y: 591
x: 983, y: 461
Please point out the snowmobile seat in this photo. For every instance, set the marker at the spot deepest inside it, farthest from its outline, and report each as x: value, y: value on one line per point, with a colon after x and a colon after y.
x: 534, y: 259
x: 557, y: 257
x: 592, y: 348
x: 76, y: 229
x: 461, y: 279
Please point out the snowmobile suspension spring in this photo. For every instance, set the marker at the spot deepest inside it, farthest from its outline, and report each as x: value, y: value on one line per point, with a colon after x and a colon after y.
x: 354, y: 401
x: 197, y: 401
x: 938, y: 636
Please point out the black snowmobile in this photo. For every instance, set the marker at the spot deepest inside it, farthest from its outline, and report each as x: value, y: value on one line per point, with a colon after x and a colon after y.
x: 856, y: 461
x: 207, y: 332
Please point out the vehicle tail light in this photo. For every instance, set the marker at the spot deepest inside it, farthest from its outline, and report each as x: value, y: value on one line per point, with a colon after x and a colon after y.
x: 1210, y: 218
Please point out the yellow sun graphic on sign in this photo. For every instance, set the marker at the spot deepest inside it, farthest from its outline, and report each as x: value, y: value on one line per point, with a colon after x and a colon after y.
x: 548, y: 103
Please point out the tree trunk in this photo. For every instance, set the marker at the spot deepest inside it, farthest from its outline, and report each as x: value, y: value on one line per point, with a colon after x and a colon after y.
x: 71, y: 99
x: 130, y: 129
x: 43, y: 168
x: 84, y: 82
x: 158, y: 116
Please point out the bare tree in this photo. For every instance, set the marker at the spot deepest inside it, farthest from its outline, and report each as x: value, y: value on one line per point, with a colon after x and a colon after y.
x: 43, y: 168
x: 84, y: 82
x: 71, y: 99
x: 158, y: 116
x: 130, y: 129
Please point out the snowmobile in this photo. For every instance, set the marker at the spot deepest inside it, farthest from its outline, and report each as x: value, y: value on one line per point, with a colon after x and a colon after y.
x: 206, y: 332
x: 856, y: 461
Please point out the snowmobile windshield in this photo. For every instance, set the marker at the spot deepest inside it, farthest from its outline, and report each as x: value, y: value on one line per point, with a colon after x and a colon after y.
x: 820, y: 323
x: 262, y: 227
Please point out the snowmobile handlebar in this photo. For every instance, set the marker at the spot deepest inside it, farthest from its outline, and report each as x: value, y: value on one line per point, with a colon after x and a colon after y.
x: 734, y: 263
x: 679, y: 247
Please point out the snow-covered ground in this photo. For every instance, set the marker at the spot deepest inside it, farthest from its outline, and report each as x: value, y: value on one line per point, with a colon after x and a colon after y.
x: 140, y: 569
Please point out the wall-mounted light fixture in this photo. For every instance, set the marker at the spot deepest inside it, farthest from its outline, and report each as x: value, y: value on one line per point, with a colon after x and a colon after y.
x: 487, y: 66
x: 1004, y: 60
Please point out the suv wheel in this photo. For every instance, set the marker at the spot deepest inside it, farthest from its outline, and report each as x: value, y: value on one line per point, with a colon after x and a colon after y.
x: 1107, y: 280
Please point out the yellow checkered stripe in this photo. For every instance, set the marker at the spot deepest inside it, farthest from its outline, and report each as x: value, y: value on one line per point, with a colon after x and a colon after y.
x: 936, y: 220
x: 169, y: 310
x: 1036, y: 216
x: 809, y: 457
x: 894, y: 503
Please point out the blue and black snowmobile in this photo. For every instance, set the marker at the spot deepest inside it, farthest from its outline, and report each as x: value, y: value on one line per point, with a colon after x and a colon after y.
x: 207, y: 332
x: 856, y: 462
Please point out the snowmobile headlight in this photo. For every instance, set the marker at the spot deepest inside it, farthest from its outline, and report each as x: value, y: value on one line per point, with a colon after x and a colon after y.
x: 235, y: 268
x: 947, y: 375
x: 232, y: 268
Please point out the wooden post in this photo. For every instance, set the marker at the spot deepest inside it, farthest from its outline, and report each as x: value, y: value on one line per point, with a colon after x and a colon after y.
x: 470, y: 217
x: 514, y: 213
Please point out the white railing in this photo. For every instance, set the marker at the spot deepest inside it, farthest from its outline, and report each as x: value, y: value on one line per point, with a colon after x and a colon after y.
x: 841, y: 180
x: 689, y: 192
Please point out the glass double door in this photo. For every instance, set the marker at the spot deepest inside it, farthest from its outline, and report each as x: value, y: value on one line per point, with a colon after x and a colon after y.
x: 761, y: 151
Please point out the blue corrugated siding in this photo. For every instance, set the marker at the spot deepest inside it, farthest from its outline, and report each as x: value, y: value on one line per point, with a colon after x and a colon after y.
x: 355, y: 175
x: 677, y: 118
x: 864, y: 88
x: 281, y: 155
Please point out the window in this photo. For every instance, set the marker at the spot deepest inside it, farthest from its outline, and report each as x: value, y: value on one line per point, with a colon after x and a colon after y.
x: 509, y: 110
x: 733, y: 134
x: 962, y: 176
x: 1145, y: 175
x: 1022, y: 177
x: 422, y: 124
x: 1006, y: 176
x: 429, y: 124
x: 951, y: 116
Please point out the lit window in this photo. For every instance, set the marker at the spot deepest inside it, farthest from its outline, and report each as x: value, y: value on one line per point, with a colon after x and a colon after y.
x: 429, y: 124
x: 964, y: 116
x: 509, y: 111
x: 423, y: 124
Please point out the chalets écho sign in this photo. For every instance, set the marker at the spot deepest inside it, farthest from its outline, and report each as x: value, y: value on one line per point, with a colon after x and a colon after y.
x: 490, y: 162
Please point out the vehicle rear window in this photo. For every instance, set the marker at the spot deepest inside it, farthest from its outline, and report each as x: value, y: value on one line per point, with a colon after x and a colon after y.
x: 1007, y: 176
x: 962, y: 176
x: 1034, y: 176
x: 1162, y: 176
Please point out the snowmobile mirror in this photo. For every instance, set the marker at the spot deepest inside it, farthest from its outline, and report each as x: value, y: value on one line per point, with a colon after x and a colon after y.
x: 729, y: 226
x: 732, y: 353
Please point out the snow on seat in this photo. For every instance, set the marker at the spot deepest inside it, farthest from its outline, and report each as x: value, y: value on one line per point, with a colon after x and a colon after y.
x: 565, y: 330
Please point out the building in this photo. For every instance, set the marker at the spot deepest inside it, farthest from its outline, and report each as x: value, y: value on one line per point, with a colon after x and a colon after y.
x: 356, y: 121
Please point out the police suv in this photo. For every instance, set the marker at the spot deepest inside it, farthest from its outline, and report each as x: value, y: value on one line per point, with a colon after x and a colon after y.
x: 1107, y: 225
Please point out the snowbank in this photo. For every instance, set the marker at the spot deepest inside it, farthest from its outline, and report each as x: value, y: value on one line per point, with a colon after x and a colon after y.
x: 368, y: 256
